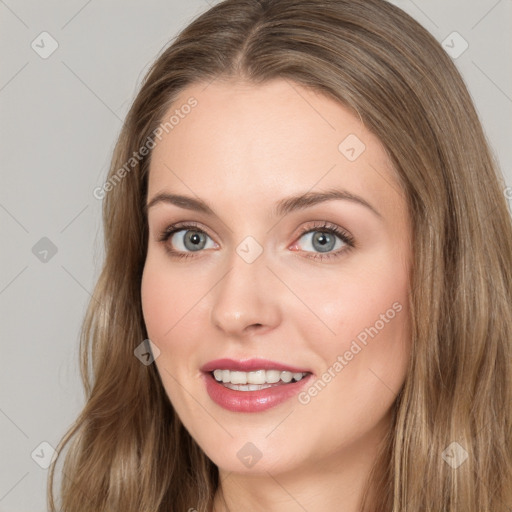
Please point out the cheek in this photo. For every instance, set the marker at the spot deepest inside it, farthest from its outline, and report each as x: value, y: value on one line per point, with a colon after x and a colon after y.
x: 167, y: 305
x: 356, y: 298
x: 167, y: 296
x: 175, y: 314
x: 157, y: 301
x: 366, y: 310
x: 365, y: 360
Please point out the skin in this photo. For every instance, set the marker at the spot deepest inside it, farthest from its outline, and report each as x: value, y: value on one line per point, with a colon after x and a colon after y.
x: 243, y: 148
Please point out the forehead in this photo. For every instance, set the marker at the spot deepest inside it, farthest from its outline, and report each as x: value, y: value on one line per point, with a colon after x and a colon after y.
x: 258, y: 142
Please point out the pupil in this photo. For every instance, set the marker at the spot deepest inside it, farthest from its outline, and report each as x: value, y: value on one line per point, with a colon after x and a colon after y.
x: 325, y: 240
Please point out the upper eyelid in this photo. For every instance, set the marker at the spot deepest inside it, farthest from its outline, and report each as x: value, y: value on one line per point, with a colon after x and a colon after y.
x: 178, y: 226
x: 184, y: 225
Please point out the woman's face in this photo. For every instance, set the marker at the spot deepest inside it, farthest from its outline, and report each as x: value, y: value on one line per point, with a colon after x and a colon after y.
x: 294, y: 266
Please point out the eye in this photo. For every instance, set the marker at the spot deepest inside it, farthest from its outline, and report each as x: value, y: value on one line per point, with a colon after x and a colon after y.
x: 326, y: 240
x: 181, y: 240
x: 189, y: 240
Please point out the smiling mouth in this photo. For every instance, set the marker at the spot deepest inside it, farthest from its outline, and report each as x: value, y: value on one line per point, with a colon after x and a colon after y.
x: 256, y: 380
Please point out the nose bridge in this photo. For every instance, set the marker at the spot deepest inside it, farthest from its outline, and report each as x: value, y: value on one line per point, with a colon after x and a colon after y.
x: 246, y: 296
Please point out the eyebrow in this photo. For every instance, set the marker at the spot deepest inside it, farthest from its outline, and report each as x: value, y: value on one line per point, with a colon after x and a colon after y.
x: 281, y: 208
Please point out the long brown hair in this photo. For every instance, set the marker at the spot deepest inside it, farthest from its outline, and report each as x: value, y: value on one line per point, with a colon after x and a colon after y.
x: 128, y: 450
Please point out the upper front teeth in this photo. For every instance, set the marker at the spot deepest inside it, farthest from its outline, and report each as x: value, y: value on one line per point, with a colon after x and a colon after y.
x: 256, y: 377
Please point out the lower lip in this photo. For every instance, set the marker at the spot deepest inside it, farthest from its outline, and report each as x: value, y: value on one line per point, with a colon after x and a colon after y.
x: 251, y: 401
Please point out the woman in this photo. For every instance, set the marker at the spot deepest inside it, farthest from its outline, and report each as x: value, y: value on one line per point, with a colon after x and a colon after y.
x: 304, y: 218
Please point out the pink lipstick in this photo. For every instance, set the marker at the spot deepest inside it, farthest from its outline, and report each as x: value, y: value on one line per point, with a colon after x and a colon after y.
x: 252, y: 385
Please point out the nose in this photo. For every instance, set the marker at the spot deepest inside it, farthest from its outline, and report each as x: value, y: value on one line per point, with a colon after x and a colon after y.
x: 246, y: 299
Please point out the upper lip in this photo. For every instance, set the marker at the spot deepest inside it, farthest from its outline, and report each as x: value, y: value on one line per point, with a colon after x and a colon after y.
x: 247, y: 365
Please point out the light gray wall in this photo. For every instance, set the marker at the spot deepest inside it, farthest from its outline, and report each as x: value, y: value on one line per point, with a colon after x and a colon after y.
x: 60, y: 116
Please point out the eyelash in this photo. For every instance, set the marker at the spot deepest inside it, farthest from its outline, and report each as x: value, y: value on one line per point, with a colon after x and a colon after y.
x: 325, y: 227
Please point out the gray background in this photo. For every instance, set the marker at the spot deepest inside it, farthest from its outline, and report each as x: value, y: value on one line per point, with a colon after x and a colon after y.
x: 60, y: 117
